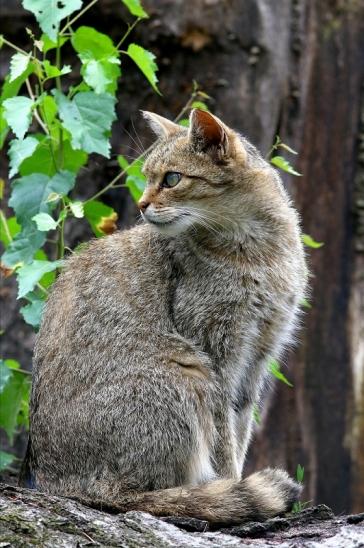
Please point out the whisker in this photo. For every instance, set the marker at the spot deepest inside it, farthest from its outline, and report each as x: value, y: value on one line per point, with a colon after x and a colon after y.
x: 140, y: 150
x: 137, y: 136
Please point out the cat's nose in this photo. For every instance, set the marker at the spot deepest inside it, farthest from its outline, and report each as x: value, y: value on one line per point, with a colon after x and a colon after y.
x: 142, y: 204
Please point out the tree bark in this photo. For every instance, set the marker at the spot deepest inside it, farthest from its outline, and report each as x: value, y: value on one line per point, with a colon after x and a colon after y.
x: 30, y: 518
x: 295, y: 68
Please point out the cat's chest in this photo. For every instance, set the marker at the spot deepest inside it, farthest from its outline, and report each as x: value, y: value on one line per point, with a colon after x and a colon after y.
x: 209, y: 305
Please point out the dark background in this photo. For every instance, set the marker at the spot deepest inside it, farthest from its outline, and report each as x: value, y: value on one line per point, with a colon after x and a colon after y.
x: 293, y: 67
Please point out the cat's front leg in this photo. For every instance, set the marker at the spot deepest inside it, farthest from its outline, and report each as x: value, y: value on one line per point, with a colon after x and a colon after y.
x: 226, y: 455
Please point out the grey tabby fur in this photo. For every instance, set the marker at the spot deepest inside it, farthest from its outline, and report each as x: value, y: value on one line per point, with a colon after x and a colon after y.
x: 155, y: 341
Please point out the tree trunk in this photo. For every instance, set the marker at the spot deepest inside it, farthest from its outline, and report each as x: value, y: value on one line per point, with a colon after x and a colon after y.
x: 295, y: 68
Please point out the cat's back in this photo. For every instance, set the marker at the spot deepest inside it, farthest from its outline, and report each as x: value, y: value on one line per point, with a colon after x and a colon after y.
x: 112, y: 291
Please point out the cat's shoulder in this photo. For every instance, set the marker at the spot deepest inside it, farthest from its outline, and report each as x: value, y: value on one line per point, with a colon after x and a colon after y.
x: 127, y: 247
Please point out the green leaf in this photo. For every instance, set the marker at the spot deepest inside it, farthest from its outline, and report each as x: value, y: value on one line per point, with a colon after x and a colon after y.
x: 29, y: 275
x: 19, y: 150
x: 44, y: 222
x: 77, y: 209
x: 14, y: 391
x: 18, y: 64
x: 274, y: 368
x: 10, y: 89
x: 200, y: 105
x: 88, y: 117
x: 52, y: 71
x: 49, y: 44
x: 300, y: 472
x: 95, y: 76
x: 91, y: 44
x: 305, y: 303
x: 9, y: 228
x: 99, y: 58
x: 310, y: 242
x: 48, y: 108
x: 5, y: 460
x: 102, y: 76
x: 284, y: 165
x: 42, y: 160
x: 135, y: 180
x: 135, y: 8
x: 30, y: 193
x: 24, y: 245
x: 145, y: 61
x: 18, y: 114
x: 184, y: 122
x: 101, y: 217
x: 49, y: 13
x: 32, y: 312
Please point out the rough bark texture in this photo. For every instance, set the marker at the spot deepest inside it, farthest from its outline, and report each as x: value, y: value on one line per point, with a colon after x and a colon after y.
x: 296, y: 68
x: 30, y: 518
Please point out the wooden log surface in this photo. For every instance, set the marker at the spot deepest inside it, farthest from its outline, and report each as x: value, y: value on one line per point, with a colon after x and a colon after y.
x: 29, y: 518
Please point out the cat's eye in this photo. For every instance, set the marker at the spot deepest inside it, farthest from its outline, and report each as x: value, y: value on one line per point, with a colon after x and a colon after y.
x: 171, y: 179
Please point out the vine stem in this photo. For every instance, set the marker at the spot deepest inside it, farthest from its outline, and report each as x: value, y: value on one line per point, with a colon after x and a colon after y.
x: 61, y: 245
x: 36, y: 115
x: 13, y: 46
x: 69, y: 23
x: 125, y: 171
x: 130, y: 28
x: 5, y: 225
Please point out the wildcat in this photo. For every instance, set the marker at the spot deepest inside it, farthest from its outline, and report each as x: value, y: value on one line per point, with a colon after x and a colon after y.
x: 154, y: 344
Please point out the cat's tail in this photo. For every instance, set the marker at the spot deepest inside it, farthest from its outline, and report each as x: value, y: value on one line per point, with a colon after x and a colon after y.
x: 226, y: 501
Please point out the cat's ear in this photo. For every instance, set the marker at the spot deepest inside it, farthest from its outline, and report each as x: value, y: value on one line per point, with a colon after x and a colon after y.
x: 161, y: 126
x: 208, y: 134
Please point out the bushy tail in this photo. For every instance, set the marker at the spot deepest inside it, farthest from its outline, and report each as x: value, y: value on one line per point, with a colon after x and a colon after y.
x: 260, y: 496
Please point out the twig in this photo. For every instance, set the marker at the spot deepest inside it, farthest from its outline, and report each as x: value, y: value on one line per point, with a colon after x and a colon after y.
x: 86, y: 8
x: 36, y: 115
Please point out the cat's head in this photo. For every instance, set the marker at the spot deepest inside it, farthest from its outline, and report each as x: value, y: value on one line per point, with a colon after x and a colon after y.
x: 197, y: 177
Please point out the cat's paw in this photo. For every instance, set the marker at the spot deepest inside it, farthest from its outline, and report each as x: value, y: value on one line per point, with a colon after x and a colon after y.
x: 275, y: 491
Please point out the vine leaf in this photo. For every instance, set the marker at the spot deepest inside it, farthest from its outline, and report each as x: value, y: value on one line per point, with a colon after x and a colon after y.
x: 99, y: 58
x: 101, y: 217
x: 19, y: 150
x: 18, y: 64
x: 77, y: 209
x: 5, y: 460
x: 135, y: 180
x: 49, y: 13
x: 14, y: 391
x: 135, y: 8
x: 24, y: 245
x: 32, y: 312
x: 284, y: 165
x: 88, y: 117
x: 18, y: 114
x: 275, y: 370
x: 10, y: 89
x: 52, y: 71
x: 30, y: 193
x: 145, y: 60
x: 29, y: 275
x: 9, y: 228
x: 44, y: 222
x: 310, y: 242
x: 42, y: 160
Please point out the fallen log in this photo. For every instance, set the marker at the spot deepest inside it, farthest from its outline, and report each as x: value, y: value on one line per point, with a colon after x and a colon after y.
x: 31, y: 518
